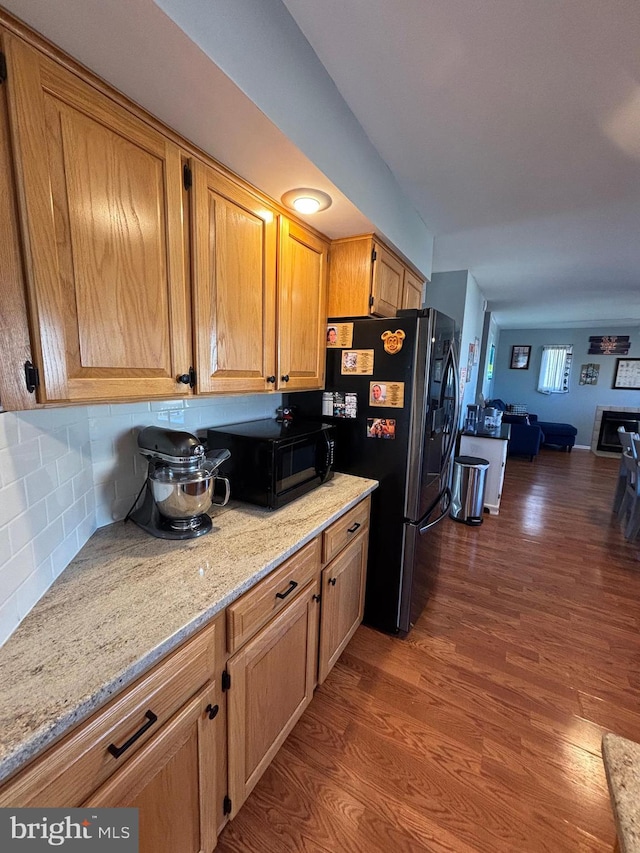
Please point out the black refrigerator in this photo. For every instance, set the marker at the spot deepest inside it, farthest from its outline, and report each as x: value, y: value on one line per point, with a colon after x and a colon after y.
x: 392, y: 392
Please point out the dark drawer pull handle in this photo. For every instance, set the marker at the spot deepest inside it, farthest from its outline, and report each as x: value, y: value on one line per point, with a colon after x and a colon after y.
x: 354, y: 528
x: 117, y: 751
x: 292, y: 586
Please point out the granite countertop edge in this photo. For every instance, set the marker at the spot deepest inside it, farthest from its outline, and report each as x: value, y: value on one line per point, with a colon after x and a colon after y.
x: 22, y: 746
x: 621, y: 759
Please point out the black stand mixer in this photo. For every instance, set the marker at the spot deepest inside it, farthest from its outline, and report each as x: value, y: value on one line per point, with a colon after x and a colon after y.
x: 180, y: 484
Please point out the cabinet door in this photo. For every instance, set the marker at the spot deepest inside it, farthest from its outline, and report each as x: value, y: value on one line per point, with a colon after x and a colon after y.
x: 411, y: 291
x: 234, y: 273
x: 343, y: 583
x: 302, y: 318
x: 386, y: 288
x: 272, y: 681
x: 101, y: 212
x: 15, y: 344
x: 172, y: 783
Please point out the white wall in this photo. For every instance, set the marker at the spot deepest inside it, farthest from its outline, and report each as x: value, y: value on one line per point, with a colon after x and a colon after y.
x: 66, y: 471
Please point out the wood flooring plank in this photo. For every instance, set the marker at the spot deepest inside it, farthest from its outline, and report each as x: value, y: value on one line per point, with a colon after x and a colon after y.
x: 481, y: 730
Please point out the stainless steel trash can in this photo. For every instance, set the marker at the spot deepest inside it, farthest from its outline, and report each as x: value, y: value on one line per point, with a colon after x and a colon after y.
x: 467, y: 489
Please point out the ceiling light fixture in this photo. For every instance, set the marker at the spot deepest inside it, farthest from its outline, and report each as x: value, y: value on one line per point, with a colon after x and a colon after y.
x: 306, y: 200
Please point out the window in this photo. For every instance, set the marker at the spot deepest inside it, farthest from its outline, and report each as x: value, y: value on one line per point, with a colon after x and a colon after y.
x: 555, y: 369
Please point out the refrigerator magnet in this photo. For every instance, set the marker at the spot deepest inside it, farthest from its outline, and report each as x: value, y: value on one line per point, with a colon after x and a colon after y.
x: 340, y: 404
x: 357, y: 362
x: 388, y: 394
x: 393, y: 341
x: 339, y: 335
x: 381, y: 428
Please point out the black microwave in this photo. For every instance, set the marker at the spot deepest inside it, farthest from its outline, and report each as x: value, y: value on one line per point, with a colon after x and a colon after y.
x: 274, y: 463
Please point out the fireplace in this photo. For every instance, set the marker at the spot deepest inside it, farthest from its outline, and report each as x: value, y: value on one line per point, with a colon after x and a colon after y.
x: 611, y: 420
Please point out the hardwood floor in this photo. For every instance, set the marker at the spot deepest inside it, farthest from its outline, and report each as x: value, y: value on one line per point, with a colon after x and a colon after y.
x: 481, y: 730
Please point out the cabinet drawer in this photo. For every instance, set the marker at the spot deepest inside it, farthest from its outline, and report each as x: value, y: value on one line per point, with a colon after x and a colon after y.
x: 344, y: 529
x: 248, y: 614
x: 73, y: 769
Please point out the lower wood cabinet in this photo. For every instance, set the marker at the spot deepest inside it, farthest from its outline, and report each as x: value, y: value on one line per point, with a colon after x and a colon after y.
x: 343, y: 582
x: 172, y: 782
x: 272, y: 681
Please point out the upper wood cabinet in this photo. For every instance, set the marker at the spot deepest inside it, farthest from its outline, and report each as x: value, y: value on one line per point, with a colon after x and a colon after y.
x: 234, y: 274
x: 302, y: 308
x: 15, y: 340
x: 366, y: 278
x: 259, y: 299
x: 412, y: 291
x: 101, y: 212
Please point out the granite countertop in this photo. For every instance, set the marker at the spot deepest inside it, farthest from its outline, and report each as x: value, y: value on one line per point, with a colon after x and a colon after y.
x: 622, y: 765
x: 127, y: 599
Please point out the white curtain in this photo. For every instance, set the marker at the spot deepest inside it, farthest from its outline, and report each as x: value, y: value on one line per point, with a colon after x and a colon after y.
x: 555, y: 369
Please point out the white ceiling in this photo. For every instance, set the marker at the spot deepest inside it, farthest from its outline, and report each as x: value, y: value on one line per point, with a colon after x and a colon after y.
x: 514, y: 128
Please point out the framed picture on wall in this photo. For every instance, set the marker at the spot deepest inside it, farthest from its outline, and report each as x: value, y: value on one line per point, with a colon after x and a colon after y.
x: 627, y: 374
x: 520, y: 356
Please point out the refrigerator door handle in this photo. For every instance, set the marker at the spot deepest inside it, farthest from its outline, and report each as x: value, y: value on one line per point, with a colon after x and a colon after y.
x: 446, y: 495
x: 423, y: 524
x: 453, y: 426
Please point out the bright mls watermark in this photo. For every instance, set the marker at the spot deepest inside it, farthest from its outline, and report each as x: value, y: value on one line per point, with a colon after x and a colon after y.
x: 86, y: 830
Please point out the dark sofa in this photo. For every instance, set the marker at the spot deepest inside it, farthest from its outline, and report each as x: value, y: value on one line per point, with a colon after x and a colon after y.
x: 526, y: 436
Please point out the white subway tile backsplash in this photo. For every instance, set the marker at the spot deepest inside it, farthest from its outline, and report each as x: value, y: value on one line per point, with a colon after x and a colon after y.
x: 69, y: 465
x: 8, y: 429
x: 27, y: 525
x: 16, y: 571
x: 64, y: 553
x: 18, y: 461
x: 58, y: 500
x: 100, y: 428
x: 129, y: 408
x: 74, y: 516
x: 13, y: 501
x: 5, y: 544
x: 54, y: 445
x: 9, y: 619
x: 164, y: 405
x: 34, y: 587
x: 41, y: 483
x: 47, y: 540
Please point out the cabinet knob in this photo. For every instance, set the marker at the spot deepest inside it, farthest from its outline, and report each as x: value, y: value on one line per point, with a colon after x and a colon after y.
x: 212, y: 711
x: 332, y: 581
x: 285, y: 378
x: 271, y: 379
x: 184, y: 378
x: 316, y: 597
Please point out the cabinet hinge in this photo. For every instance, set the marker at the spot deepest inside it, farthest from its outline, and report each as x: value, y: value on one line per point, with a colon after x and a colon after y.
x: 193, y: 376
x: 371, y: 301
x: 226, y: 805
x: 3, y: 67
x: 374, y: 255
x: 187, y: 176
x: 226, y: 680
x: 31, y: 376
